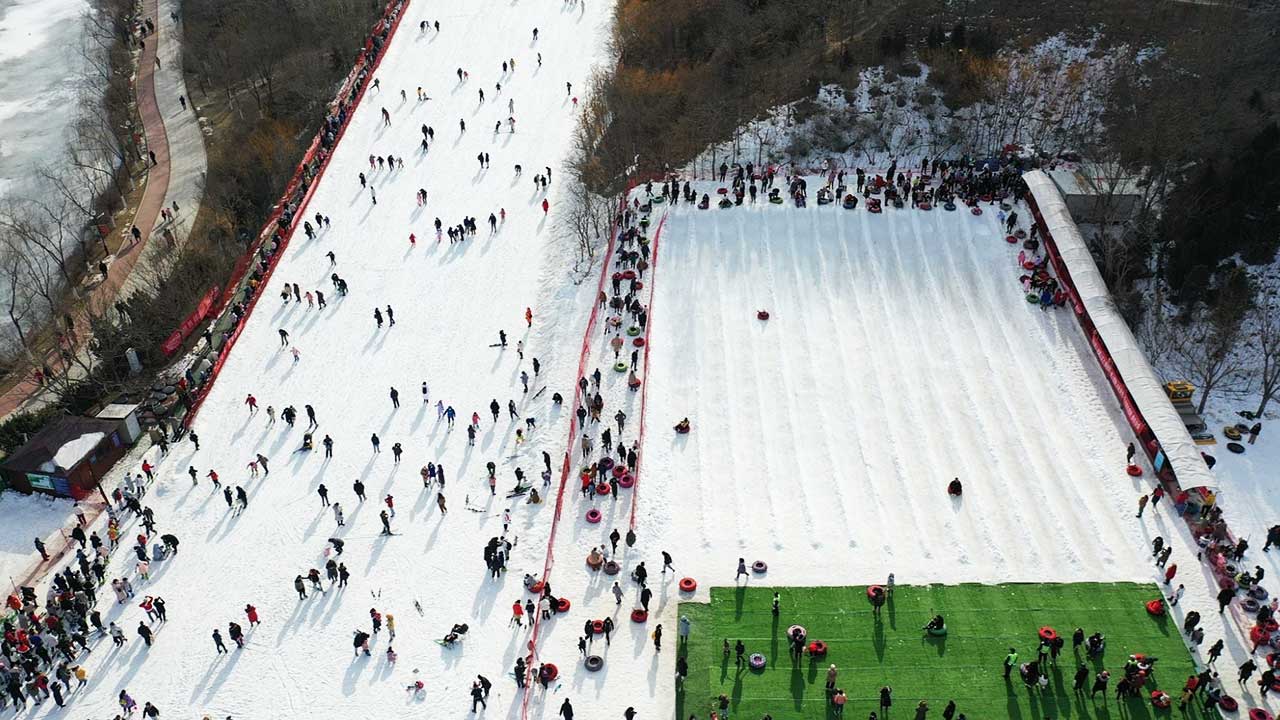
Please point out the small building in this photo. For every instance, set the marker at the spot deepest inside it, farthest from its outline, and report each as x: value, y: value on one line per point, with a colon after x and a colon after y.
x: 1095, y: 195
x: 67, y: 457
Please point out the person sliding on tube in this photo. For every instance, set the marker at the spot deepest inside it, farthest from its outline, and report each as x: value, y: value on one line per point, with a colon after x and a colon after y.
x: 682, y: 427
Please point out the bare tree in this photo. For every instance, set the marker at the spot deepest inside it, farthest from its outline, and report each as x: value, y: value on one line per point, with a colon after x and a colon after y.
x: 1205, y: 352
x: 1265, y: 325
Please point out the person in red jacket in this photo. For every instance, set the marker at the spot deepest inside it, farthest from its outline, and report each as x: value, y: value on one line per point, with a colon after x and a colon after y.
x: 517, y: 614
x: 1170, y: 572
x: 252, y: 613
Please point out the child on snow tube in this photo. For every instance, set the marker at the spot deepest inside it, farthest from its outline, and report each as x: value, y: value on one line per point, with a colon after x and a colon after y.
x: 682, y: 427
x: 955, y: 488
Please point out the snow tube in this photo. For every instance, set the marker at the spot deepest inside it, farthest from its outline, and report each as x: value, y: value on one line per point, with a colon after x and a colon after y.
x: 619, y: 470
x: 924, y: 206
x: 1161, y: 699
x: 791, y: 631
x: 937, y: 632
x: 1048, y: 634
x: 759, y: 567
x: 1235, y: 447
x: 817, y: 648
x: 1006, y: 206
x: 640, y: 283
x: 775, y: 200
x: 548, y: 672
x: 593, y: 663
x: 536, y: 588
x: 876, y: 594
x: 602, y: 488
x: 612, y: 568
x: 975, y: 210
x: 1020, y: 233
x: 628, y: 274
x: 1028, y: 265
x: 1259, y: 714
x: 762, y: 315
x: 1155, y: 607
x: 595, y: 565
x: 949, y: 206
x: 1134, y: 471
x: 725, y: 203
x: 757, y: 661
x: 1033, y: 298
x: 897, y: 203
x: 1257, y: 635
x: 1011, y: 240
x: 1031, y: 245
x: 563, y: 605
x: 1228, y: 703
x: 626, y: 481
x: 722, y: 191
x: 638, y: 342
x: 597, y: 627
x: 593, y: 515
x: 639, y: 615
x: 1232, y: 432
x: 633, y: 331
x: 986, y: 198
x: 873, y: 206
x: 688, y: 584
x: 621, y: 367
x: 605, y: 463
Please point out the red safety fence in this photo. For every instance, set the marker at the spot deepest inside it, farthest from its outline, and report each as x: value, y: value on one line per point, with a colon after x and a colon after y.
x: 583, y: 356
x: 353, y: 88
x: 188, y: 326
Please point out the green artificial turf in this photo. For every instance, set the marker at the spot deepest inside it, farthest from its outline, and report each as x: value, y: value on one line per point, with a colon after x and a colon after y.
x: 983, y: 621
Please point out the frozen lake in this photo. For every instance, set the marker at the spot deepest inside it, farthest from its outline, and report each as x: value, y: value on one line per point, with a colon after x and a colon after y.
x: 40, y: 63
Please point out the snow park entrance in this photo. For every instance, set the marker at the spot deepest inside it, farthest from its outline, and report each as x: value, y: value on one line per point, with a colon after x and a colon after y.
x: 936, y: 644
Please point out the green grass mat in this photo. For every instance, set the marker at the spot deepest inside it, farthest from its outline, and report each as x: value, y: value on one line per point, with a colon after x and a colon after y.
x: 983, y: 621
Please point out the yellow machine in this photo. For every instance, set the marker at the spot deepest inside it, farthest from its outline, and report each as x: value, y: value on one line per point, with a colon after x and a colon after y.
x: 1182, y: 393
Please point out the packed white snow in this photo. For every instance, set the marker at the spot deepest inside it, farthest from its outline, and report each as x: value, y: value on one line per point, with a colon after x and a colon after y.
x: 26, y: 517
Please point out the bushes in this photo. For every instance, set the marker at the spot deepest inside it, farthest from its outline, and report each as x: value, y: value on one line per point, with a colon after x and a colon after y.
x: 15, y: 431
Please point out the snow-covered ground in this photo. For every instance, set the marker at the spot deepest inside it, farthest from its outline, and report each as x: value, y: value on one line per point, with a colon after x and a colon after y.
x: 450, y: 301
x: 26, y: 517
x: 900, y: 353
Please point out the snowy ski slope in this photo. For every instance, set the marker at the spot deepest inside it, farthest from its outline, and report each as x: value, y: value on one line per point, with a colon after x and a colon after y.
x: 450, y: 302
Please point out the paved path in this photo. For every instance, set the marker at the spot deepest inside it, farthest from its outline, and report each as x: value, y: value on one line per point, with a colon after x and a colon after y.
x: 173, y: 134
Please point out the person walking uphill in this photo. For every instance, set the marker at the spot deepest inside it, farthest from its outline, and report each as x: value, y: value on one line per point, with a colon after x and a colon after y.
x: 566, y: 710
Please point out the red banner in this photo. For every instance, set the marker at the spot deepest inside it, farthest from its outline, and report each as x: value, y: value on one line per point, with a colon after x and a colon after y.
x: 188, y: 326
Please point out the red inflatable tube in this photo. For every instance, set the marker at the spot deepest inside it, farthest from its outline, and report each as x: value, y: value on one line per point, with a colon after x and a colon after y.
x: 619, y: 470
x: 874, y: 590
x: 1228, y: 703
x: 536, y: 587
x: 597, y: 627
x: 548, y: 672
x: 817, y: 648
x: 638, y: 615
x: 1011, y: 240
x: 975, y: 210
x: 1259, y: 714
x: 1134, y: 471
x: 626, y: 481
x: 593, y: 516
x: 1155, y: 607
x: 688, y: 584
x: 1048, y: 634
x: 602, y: 488
x: 638, y: 342
x: 563, y: 605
